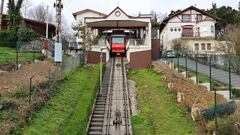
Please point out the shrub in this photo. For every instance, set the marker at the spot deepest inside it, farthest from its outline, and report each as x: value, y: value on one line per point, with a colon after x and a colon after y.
x: 7, y: 39
x: 221, y: 110
x: 26, y: 34
x: 236, y: 93
x: 227, y: 125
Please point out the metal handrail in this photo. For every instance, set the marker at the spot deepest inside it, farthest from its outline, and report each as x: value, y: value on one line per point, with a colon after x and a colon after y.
x: 108, y: 108
x: 137, y: 42
x: 128, y: 43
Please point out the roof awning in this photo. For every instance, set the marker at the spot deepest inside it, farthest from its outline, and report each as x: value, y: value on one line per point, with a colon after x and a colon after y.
x: 117, y: 24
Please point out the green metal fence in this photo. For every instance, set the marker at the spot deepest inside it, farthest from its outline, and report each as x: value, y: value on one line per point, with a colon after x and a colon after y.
x: 24, y: 52
x: 220, y: 71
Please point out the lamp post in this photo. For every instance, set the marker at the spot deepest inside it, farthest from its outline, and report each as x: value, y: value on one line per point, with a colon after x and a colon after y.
x: 178, y: 60
x: 186, y: 68
x: 196, y: 59
x: 229, y: 78
x: 17, y: 54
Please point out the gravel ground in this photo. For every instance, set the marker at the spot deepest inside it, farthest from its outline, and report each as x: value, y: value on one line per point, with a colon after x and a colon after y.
x: 132, y: 94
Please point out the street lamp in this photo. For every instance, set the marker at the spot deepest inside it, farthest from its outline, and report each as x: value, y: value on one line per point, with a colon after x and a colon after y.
x: 101, y: 56
x: 196, y: 59
x: 17, y: 53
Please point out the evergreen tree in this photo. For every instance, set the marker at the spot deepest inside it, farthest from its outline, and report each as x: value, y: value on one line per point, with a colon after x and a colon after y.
x: 14, y: 19
x: 227, y: 15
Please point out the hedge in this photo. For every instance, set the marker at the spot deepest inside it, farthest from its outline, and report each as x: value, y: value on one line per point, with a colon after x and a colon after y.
x: 221, y: 110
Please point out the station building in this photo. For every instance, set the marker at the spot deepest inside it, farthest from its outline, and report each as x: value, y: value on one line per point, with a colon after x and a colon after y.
x: 141, y: 48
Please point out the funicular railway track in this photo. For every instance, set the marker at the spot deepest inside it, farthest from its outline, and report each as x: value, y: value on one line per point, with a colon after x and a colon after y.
x: 111, y: 114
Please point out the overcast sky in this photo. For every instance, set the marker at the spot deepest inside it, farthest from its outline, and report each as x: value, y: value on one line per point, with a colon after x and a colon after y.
x: 131, y: 7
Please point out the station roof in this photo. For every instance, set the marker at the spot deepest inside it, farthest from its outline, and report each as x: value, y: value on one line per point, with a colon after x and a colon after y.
x: 87, y: 10
x: 117, y: 19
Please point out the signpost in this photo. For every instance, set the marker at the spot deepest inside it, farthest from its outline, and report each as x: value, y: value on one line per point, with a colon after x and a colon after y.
x: 58, y: 53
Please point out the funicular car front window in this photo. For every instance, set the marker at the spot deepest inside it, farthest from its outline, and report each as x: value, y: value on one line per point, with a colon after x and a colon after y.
x: 118, y: 40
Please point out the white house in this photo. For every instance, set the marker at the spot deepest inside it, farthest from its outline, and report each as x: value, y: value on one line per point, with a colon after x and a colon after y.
x: 79, y: 17
x: 193, y: 25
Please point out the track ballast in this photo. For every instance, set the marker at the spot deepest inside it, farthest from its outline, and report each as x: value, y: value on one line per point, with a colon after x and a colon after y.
x: 111, y: 113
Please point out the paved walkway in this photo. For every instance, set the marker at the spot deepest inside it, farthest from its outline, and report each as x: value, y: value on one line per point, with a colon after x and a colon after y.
x: 217, y: 74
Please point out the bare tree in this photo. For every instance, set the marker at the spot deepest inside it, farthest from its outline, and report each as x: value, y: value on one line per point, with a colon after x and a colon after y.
x: 230, y: 47
x: 159, y: 17
x: 232, y: 35
x: 66, y: 33
x: 39, y: 13
x: 26, y: 5
x: 179, y: 45
x: 231, y: 41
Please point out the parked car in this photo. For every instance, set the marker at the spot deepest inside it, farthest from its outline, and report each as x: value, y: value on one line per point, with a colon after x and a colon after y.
x: 169, y: 54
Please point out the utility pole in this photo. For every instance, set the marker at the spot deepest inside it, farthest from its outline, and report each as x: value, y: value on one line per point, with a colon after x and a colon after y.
x: 1, y: 13
x: 58, y: 5
x: 239, y: 6
x: 46, y: 42
x: 58, y: 42
x: 47, y: 23
x: 214, y: 5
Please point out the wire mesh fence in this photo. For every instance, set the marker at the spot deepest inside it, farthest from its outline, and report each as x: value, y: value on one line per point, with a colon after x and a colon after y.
x: 21, y: 52
x: 25, y: 90
x: 217, y: 72
x: 29, y: 88
x: 29, y: 51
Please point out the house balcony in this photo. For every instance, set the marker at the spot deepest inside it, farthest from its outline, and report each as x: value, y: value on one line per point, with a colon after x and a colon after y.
x: 187, y: 35
x: 137, y: 44
x: 194, y: 36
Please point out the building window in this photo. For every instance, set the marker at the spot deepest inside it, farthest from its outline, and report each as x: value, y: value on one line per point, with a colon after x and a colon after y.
x: 204, y: 28
x: 203, y: 46
x: 175, y: 29
x: 199, y: 18
x: 209, y: 46
x: 212, y: 28
x: 186, y: 18
x: 171, y: 29
x: 179, y: 29
x: 196, y: 46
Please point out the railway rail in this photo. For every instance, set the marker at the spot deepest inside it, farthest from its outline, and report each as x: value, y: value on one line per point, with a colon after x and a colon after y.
x: 111, y: 113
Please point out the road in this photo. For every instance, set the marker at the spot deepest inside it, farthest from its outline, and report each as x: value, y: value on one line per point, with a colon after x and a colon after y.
x: 217, y: 74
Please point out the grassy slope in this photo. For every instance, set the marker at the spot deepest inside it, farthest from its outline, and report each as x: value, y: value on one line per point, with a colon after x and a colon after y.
x: 159, y: 112
x: 68, y: 111
x: 9, y: 55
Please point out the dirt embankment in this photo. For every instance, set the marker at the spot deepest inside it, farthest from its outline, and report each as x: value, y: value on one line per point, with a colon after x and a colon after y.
x: 11, y: 81
x: 193, y: 94
x: 14, y: 92
x: 8, y: 67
